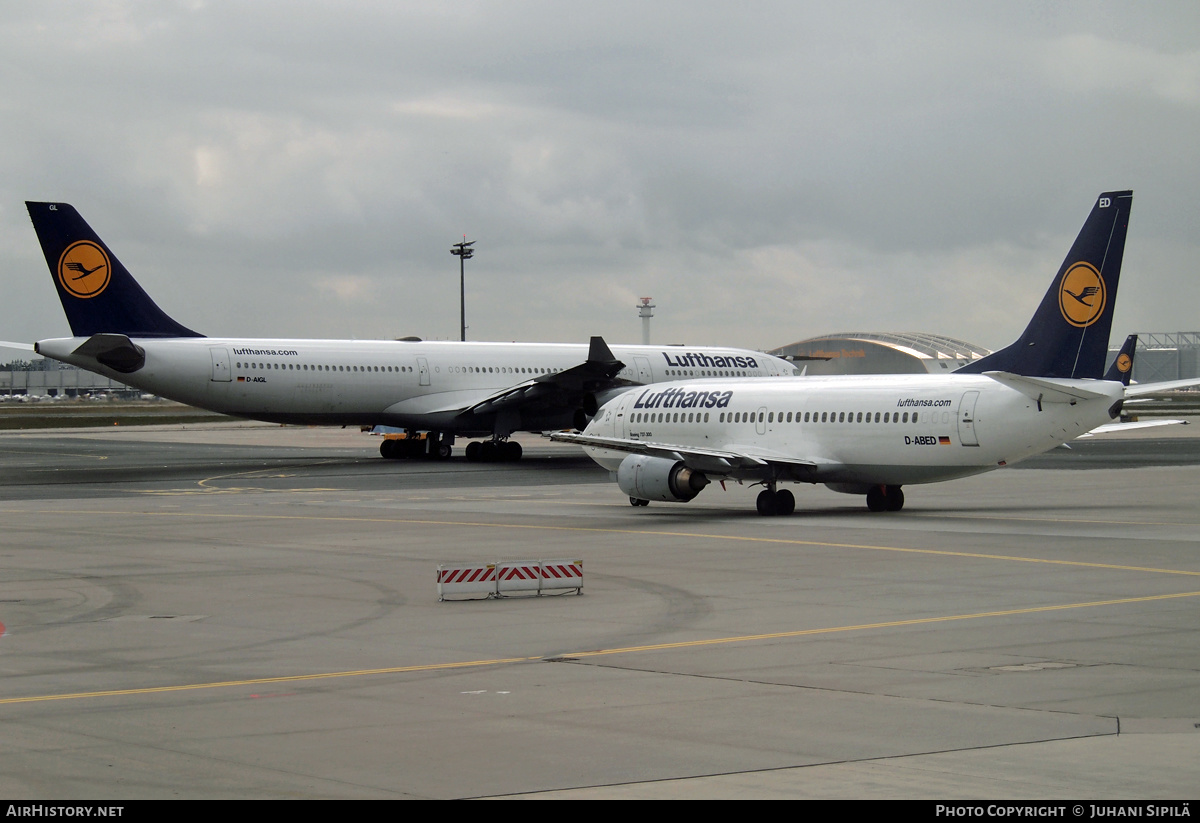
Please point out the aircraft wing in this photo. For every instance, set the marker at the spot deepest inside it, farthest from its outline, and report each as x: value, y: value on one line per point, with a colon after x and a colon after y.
x: 564, y: 390
x: 735, y: 463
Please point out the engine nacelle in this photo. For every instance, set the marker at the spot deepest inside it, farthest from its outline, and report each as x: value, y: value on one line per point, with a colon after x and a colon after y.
x: 656, y: 478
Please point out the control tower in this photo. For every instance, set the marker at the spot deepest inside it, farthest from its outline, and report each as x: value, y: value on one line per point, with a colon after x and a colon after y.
x: 645, y: 311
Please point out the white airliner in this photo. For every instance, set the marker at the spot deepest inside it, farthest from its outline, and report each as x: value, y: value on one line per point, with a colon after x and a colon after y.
x: 447, y: 389
x: 874, y: 434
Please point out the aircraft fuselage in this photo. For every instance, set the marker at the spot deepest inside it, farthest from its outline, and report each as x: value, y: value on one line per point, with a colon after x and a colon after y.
x: 421, y: 385
x: 857, y: 431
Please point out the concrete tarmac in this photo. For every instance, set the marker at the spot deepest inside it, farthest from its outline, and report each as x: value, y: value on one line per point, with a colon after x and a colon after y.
x: 251, y: 611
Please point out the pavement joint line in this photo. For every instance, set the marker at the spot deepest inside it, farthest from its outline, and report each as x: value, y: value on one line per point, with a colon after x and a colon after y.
x: 597, y: 530
x: 713, y: 641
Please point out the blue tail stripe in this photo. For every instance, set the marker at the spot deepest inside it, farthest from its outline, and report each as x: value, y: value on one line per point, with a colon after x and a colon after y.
x: 1068, y: 335
x: 98, y: 294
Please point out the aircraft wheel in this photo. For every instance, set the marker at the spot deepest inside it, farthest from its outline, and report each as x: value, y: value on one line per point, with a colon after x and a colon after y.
x: 511, y: 450
x: 877, y: 499
x: 767, y: 503
x: 633, y: 501
x: 444, y: 450
x: 895, y: 499
x: 474, y: 451
x: 488, y: 451
x: 386, y: 449
x: 785, y: 502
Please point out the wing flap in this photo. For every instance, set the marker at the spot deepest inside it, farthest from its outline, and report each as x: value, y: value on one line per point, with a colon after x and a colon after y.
x: 562, y: 390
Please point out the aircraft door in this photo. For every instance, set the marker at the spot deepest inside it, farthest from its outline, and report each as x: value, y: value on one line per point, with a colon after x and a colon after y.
x: 221, y: 372
x: 760, y: 422
x: 966, y: 419
x: 621, y: 425
x: 642, y: 364
x: 423, y: 370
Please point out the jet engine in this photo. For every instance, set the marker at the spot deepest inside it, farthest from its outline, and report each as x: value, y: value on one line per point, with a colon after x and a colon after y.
x: 656, y: 478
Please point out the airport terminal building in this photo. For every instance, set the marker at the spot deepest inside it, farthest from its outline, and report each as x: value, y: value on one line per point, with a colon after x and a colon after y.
x: 881, y: 353
x: 41, y: 377
x: 1160, y: 355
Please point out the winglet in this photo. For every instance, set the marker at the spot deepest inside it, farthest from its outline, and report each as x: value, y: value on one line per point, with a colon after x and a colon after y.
x: 98, y: 294
x: 1068, y: 335
x: 599, y: 352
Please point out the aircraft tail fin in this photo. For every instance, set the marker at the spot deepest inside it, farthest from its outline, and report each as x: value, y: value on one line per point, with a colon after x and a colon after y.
x: 98, y: 294
x: 1122, y: 368
x: 1068, y: 335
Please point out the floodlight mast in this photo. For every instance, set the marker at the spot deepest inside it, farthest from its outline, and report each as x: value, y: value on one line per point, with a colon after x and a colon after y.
x: 463, y: 252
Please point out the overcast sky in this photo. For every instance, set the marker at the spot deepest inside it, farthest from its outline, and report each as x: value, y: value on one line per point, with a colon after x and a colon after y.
x: 765, y: 171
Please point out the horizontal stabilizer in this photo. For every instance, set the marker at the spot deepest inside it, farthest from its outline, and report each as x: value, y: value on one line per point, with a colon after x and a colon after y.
x: 1045, y: 389
x: 116, y: 351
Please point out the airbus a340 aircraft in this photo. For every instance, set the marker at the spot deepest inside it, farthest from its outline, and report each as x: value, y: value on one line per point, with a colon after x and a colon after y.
x: 447, y: 389
x: 874, y: 434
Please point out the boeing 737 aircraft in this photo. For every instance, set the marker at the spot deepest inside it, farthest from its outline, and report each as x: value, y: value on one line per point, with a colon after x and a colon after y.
x: 872, y: 435
x: 447, y: 389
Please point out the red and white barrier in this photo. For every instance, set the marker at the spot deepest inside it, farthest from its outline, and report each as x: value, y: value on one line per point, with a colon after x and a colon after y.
x: 503, y: 578
x: 466, y: 579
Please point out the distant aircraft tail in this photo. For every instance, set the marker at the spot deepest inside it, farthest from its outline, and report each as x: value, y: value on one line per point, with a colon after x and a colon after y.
x: 98, y: 294
x: 1122, y: 368
x: 1068, y: 335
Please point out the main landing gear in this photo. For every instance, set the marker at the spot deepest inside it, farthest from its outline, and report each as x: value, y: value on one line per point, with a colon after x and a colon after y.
x: 493, y: 451
x: 434, y: 446
x: 772, y: 502
x: 885, y: 499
